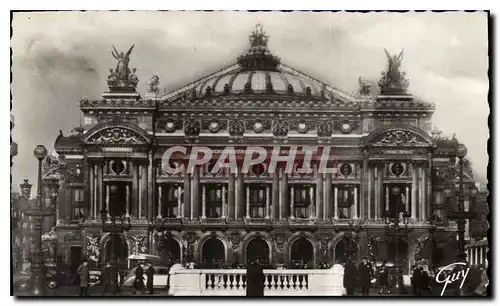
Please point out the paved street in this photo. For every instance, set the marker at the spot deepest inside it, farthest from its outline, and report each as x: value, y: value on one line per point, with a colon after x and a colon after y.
x: 93, y: 291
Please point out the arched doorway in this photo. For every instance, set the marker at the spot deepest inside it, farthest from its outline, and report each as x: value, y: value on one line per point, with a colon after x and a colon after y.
x: 397, y: 253
x: 116, y: 248
x: 213, y: 251
x: 257, y: 248
x: 344, y: 249
x: 301, y: 254
x: 169, y: 249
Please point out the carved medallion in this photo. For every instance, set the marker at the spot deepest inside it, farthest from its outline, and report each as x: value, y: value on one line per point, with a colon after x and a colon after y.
x: 397, y: 169
x: 236, y: 127
x: 280, y: 128
x: 325, y: 129
x: 214, y: 126
x: 190, y: 237
x: 346, y: 169
x: 191, y: 127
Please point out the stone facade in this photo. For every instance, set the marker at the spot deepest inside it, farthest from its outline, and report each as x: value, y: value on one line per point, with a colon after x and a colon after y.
x: 384, y: 155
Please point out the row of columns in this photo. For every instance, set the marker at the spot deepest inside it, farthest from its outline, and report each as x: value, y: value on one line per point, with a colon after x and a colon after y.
x: 141, y: 194
x: 137, y: 195
x: 420, y: 190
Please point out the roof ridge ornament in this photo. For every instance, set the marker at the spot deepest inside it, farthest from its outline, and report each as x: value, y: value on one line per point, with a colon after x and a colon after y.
x: 393, y: 81
x: 258, y: 56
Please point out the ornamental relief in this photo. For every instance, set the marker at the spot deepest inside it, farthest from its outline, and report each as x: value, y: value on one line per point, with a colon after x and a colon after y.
x: 324, y: 129
x: 117, y: 135
x: 302, y: 126
x: 280, y: 128
x: 139, y: 244
x: 191, y: 127
x: 214, y: 125
x: 400, y: 137
x: 92, y: 249
x: 236, y: 127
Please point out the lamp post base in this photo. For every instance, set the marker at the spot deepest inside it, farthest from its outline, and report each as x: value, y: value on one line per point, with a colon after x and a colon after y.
x: 39, y: 286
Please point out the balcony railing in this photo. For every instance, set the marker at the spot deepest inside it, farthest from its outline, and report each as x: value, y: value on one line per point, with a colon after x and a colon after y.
x: 196, y: 282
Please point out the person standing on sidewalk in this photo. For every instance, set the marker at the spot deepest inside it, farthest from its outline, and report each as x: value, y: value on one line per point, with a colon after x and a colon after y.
x: 383, y: 279
x: 139, y: 279
x: 84, y: 273
x: 150, y: 273
x: 350, y: 277
x: 365, y: 276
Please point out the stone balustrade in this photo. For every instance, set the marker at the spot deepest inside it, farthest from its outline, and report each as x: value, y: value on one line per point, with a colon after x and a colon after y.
x: 233, y: 282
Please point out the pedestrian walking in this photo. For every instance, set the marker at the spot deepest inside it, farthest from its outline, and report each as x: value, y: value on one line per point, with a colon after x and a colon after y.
x: 150, y: 273
x: 83, y: 271
x: 425, y: 282
x: 365, y: 276
x: 139, y: 280
x: 383, y: 279
x: 350, y: 277
x: 416, y: 281
x: 255, y: 279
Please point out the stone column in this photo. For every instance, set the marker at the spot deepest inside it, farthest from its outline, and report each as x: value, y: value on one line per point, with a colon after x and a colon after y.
x: 187, y: 195
x: 377, y: 193
x: 195, y: 204
x: 159, y: 201
x: 370, y: 191
x: 284, y: 193
x: 127, y: 201
x: 336, y: 203
x: 91, y: 212
x: 139, y: 192
x: 429, y: 185
x: 151, y: 182
x: 292, y: 202
x: 247, y: 214
x: 94, y: 193
x: 386, y: 198
x: 240, y: 199
x: 407, y: 196
x: 144, y: 191
x: 381, y: 189
x: 100, y: 186
x: 355, y: 202
x: 328, y: 191
x: 231, y: 194
x: 179, y: 202
x: 276, y: 196
x: 203, y: 202
x: 107, y: 199
x: 268, y: 194
x: 319, y: 196
x: 135, y: 190
x: 311, y: 203
x: 413, y: 191
x: 421, y: 192
x: 363, y: 209
x: 223, y: 202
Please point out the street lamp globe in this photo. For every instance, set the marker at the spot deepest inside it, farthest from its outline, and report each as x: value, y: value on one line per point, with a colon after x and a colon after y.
x: 461, y: 151
x: 40, y: 152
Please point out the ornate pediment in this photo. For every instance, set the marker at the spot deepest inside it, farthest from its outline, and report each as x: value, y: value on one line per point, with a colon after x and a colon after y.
x: 117, y: 135
x: 399, y: 137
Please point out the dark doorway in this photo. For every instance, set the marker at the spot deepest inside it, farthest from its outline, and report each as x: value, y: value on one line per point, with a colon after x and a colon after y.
x: 75, y: 258
x: 169, y: 250
x: 115, y: 248
x: 257, y: 248
x: 397, y: 253
x: 397, y: 199
x: 345, y: 249
x: 213, y: 251
x: 302, y: 254
x: 118, y: 198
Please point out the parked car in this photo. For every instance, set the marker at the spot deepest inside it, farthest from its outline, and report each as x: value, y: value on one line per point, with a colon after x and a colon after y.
x: 22, y: 279
x: 160, y: 279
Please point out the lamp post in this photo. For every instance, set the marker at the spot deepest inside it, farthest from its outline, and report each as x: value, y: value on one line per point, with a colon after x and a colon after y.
x: 460, y: 215
x: 396, y: 232
x: 38, y: 213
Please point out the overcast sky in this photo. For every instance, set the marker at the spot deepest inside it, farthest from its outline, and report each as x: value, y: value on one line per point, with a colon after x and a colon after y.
x: 59, y: 58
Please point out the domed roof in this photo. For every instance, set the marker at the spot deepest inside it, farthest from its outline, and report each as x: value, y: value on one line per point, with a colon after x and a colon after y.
x: 258, y: 72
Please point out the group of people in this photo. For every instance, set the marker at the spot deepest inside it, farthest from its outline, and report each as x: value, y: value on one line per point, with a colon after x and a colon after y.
x: 360, y: 276
x: 112, y: 279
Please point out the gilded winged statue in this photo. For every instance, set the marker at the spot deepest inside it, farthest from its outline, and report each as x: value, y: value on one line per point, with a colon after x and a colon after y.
x: 394, y: 64
x: 122, y: 69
